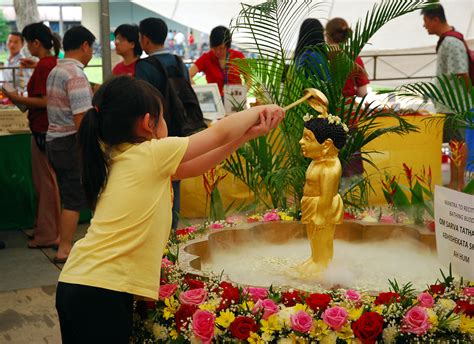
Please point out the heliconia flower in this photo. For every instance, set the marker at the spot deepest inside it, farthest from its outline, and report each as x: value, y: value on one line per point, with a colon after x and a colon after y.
x: 408, y: 173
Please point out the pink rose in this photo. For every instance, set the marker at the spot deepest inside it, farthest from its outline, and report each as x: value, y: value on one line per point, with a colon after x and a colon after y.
x: 469, y: 291
x: 216, y: 225
x: 387, y: 219
x: 203, y: 325
x: 416, y: 321
x: 235, y: 219
x: 426, y: 300
x: 167, y: 290
x: 335, y: 317
x: 271, y: 216
x: 165, y: 262
x: 301, y: 322
x: 352, y: 295
x: 256, y: 293
x: 268, y: 306
x: 193, y: 296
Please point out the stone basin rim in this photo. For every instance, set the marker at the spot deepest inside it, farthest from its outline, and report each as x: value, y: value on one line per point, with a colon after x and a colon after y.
x: 189, y: 261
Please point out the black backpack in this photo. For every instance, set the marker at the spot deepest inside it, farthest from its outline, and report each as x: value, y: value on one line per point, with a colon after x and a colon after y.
x: 183, y: 114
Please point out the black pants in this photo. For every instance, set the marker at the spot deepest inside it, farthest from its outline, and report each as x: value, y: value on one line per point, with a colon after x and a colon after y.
x: 93, y: 315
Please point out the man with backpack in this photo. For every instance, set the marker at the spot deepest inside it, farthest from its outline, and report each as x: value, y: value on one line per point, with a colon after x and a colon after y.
x: 168, y: 74
x: 453, y: 57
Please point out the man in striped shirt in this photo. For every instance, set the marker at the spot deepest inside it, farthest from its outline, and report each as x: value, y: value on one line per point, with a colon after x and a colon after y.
x: 69, y: 97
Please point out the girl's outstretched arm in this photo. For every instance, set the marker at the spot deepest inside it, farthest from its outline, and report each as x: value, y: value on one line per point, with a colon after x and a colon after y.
x: 228, y: 130
x: 204, y: 162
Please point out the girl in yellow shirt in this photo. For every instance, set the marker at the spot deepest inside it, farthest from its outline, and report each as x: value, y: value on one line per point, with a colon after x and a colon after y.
x: 128, y: 163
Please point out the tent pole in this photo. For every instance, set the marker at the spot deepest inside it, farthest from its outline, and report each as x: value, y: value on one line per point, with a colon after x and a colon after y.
x: 105, y: 39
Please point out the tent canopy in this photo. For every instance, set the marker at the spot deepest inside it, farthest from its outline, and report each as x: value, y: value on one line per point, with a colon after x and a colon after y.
x: 402, y: 33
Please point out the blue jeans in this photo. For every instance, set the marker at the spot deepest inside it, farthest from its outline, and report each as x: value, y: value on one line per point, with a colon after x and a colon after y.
x: 176, y: 203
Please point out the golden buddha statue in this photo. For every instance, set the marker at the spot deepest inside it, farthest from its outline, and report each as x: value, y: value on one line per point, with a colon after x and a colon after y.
x: 321, y: 206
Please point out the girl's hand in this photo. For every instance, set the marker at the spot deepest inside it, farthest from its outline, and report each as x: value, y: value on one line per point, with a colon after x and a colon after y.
x: 270, y: 117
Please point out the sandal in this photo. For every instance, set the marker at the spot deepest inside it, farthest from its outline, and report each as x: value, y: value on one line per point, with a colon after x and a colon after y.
x: 34, y: 246
x: 57, y: 260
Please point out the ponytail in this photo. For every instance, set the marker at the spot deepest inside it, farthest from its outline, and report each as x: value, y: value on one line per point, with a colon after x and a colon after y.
x: 56, y: 43
x: 93, y: 162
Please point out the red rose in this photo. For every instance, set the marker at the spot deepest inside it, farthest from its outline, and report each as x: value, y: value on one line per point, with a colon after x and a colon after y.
x: 437, y: 289
x: 194, y: 284
x: 387, y: 298
x: 229, y: 294
x: 318, y: 302
x: 368, y: 327
x: 464, y: 307
x: 289, y: 299
x: 242, y: 326
x: 183, y: 315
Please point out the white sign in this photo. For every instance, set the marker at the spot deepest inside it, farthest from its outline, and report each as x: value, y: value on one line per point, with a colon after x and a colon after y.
x: 454, y: 219
x: 235, y: 98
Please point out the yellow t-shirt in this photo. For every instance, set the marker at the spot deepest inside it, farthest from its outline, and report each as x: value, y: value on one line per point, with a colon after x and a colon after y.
x: 124, y: 244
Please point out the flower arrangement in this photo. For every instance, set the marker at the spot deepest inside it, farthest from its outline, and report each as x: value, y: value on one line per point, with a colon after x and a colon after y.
x: 419, y: 188
x: 192, y: 309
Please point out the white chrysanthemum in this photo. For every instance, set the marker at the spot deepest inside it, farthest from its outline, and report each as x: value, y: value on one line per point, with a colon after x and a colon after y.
x: 267, y: 337
x: 454, y: 322
x: 389, y: 334
x: 160, y: 332
x: 446, y: 304
x: 331, y: 338
x: 285, y: 341
x: 285, y: 314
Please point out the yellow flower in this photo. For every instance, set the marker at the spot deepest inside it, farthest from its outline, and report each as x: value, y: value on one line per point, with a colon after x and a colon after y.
x: 467, y: 324
x: 166, y: 251
x: 320, y: 329
x: 247, y: 305
x: 171, y: 307
x: 284, y: 216
x: 174, y: 334
x: 345, y: 333
x: 355, y: 313
x: 433, y: 319
x: 225, y: 318
x: 330, y: 338
x: 210, y: 306
x: 272, y: 324
x: 255, y: 338
x: 379, y: 308
x: 300, y: 307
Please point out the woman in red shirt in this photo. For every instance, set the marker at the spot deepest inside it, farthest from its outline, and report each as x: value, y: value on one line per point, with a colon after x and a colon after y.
x: 217, y: 63
x: 40, y: 41
x: 127, y: 45
x: 337, y: 31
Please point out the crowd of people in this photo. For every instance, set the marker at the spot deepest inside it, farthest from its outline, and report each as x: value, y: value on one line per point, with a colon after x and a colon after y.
x: 116, y: 152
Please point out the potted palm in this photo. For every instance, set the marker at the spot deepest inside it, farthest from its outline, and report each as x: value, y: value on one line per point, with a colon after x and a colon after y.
x: 273, y: 166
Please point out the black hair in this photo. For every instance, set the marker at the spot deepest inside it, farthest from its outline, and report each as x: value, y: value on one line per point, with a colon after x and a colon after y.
x: 118, y: 104
x: 76, y: 36
x: 434, y: 11
x: 155, y: 29
x: 338, y: 30
x: 311, y: 34
x: 220, y: 35
x: 130, y: 33
x: 16, y: 33
x: 324, y: 130
x: 43, y: 34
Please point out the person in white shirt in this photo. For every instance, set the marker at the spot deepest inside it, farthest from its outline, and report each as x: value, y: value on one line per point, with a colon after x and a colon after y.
x: 17, y: 77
